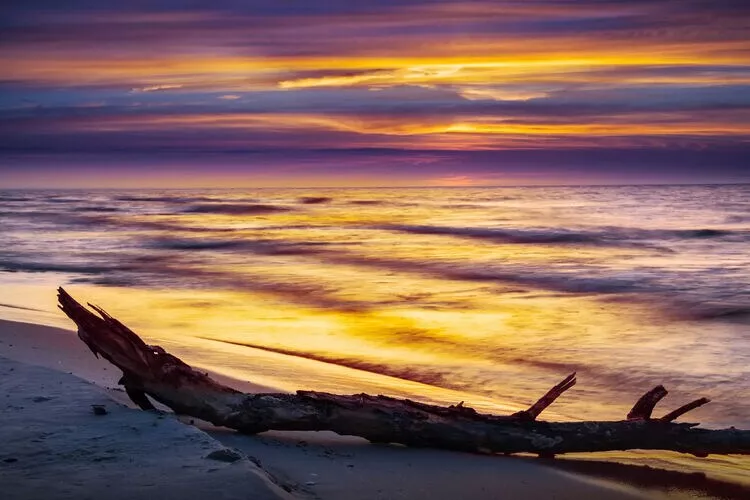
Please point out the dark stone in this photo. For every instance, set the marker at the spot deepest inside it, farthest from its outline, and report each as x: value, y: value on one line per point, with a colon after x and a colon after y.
x: 225, y: 455
x: 99, y: 409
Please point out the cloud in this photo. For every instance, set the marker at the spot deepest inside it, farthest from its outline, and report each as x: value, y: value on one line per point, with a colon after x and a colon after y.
x: 417, y: 76
x: 407, y: 117
x: 156, y: 88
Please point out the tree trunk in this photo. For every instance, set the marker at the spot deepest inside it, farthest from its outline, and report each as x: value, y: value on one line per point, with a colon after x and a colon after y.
x: 149, y: 370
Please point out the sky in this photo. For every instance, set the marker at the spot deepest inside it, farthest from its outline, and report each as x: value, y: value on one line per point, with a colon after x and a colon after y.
x: 244, y: 93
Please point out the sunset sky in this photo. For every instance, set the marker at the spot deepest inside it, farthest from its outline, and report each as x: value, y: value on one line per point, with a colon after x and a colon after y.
x: 371, y: 93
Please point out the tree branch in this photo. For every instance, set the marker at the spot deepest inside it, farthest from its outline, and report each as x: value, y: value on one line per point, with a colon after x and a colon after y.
x: 645, y: 405
x: 673, y: 415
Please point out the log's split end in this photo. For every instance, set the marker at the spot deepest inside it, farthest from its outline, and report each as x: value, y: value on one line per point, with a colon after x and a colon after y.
x: 151, y: 371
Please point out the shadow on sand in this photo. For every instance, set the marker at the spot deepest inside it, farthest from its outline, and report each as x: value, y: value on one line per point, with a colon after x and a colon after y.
x: 676, y: 485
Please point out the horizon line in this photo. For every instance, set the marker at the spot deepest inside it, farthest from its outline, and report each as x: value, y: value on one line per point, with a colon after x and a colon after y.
x: 486, y: 186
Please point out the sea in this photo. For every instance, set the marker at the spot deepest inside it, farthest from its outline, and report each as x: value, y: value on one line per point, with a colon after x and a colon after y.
x: 486, y: 295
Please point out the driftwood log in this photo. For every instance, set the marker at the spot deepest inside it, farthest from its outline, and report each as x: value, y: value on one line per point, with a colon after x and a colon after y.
x: 151, y: 371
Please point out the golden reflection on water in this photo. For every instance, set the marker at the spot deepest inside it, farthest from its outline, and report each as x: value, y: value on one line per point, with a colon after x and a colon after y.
x: 323, y: 301
x: 186, y: 322
x: 487, y: 340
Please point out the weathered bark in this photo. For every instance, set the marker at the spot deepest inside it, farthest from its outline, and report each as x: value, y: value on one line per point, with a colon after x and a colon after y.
x: 149, y: 370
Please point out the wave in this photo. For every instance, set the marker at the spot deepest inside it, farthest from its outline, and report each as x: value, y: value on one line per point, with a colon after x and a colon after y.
x: 462, y: 205
x: 170, y: 271
x: 674, y: 297
x: 11, y: 306
x: 151, y: 225
x: 523, y: 275
x: 299, y: 291
x: 503, y: 235
x: 479, y: 382
x: 525, y: 236
x: 99, y: 218
x: 706, y: 310
x: 193, y: 244
x: 383, y: 202
x: 259, y: 247
x: 64, y: 200
x: 559, y: 282
x: 60, y: 218
x: 314, y: 200
x: 737, y: 219
x: 94, y: 209
x: 518, y: 275
x: 23, y: 266
x: 611, y: 236
x: 700, y: 233
x: 167, y: 199
x: 14, y: 198
x: 425, y: 376
x: 236, y: 209
x: 367, y: 202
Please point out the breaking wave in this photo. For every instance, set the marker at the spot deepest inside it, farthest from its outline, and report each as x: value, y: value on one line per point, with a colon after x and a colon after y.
x: 502, y: 235
x: 367, y: 202
x: 737, y: 219
x: 315, y: 200
x: 63, y: 200
x: 518, y: 275
x: 12, y: 306
x: 391, y: 203
x: 701, y: 233
x: 236, y: 209
x: 94, y: 209
x: 611, y: 236
x: 260, y: 247
x: 167, y: 199
x: 14, y: 198
x: 38, y: 267
x: 193, y: 244
x: 425, y: 376
x: 701, y: 310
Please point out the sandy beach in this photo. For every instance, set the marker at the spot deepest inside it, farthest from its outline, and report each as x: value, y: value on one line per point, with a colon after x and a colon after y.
x: 55, y: 447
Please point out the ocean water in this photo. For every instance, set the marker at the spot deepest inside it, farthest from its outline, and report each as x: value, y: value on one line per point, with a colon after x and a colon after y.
x: 483, y: 295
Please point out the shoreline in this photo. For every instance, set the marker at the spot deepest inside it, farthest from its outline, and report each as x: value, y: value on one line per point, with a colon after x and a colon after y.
x: 326, y: 465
